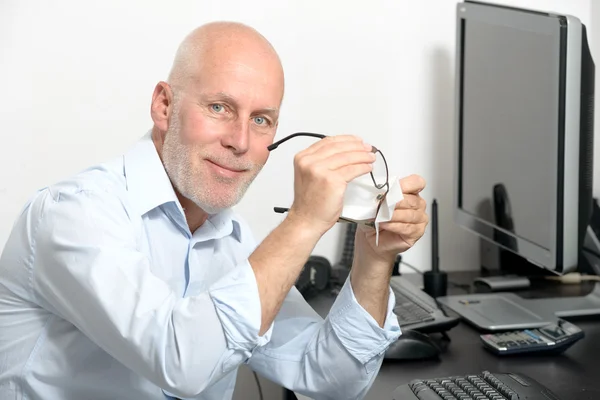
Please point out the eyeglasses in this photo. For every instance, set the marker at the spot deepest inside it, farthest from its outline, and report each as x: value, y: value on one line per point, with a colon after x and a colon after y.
x: 377, y: 175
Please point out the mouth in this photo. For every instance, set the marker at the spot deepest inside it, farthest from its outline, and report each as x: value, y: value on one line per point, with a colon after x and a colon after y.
x: 224, y: 170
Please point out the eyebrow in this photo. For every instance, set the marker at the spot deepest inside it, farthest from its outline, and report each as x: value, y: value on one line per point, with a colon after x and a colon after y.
x: 273, y: 112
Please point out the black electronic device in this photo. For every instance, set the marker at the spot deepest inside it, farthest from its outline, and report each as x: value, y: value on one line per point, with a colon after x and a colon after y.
x: 435, y: 282
x: 503, y: 217
x: 524, y: 134
x: 482, y: 386
x: 412, y: 345
x: 553, y: 339
x: 315, y: 276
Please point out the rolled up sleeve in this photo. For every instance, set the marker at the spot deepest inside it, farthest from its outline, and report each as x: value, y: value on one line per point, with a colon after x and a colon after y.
x: 333, y: 358
x: 238, y: 307
x: 357, y: 329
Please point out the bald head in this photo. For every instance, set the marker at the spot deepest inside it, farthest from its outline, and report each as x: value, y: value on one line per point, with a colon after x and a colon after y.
x: 217, y: 114
x: 218, y: 43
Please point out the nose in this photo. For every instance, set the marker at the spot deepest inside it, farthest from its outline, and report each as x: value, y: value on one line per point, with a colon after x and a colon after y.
x: 237, y: 139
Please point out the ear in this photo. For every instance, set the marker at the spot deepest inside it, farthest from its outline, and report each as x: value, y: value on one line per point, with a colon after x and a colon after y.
x: 162, y: 105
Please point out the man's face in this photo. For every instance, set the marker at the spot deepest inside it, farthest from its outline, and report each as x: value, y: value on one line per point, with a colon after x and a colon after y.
x: 218, y: 133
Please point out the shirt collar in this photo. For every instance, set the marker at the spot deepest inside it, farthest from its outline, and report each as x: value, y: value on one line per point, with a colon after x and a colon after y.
x: 150, y: 187
x: 218, y: 226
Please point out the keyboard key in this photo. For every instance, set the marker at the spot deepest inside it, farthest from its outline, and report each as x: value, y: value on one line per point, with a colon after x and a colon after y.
x: 427, y: 394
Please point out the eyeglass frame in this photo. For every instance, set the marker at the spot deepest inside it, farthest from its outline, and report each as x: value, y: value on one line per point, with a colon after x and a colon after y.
x: 374, y: 149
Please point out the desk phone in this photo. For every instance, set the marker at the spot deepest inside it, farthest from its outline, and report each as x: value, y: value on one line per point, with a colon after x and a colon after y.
x: 552, y: 338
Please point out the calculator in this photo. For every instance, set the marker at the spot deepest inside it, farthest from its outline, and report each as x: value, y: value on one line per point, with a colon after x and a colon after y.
x: 553, y: 338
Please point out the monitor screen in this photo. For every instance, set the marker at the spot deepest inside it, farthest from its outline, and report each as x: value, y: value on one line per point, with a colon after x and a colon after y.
x: 509, y: 135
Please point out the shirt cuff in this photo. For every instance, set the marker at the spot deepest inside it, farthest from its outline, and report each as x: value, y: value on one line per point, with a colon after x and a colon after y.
x: 358, y: 331
x: 238, y: 307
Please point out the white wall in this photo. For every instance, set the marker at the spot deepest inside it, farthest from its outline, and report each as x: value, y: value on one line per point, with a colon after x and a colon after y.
x: 77, y: 79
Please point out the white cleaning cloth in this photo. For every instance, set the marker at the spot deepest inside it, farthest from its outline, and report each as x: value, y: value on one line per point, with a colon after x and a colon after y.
x: 362, y: 198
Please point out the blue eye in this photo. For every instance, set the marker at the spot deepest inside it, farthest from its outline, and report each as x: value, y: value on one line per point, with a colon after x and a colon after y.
x: 259, y: 120
x: 217, y: 108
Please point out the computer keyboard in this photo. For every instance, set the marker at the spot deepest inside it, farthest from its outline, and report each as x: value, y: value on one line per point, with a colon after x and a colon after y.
x: 418, y: 311
x: 483, y: 386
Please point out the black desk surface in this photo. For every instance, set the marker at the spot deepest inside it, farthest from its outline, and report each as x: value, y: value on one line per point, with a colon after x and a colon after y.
x: 573, y: 375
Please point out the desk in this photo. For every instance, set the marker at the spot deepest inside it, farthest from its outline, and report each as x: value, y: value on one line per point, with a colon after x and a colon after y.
x: 571, y: 376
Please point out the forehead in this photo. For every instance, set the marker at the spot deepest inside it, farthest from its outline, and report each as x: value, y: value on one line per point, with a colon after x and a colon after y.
x: 252, y: 82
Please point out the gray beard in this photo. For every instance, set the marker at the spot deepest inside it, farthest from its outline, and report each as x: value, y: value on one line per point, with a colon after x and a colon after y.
x: 176, y: 158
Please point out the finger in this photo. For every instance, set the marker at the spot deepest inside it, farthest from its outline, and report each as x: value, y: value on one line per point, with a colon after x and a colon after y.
x: 404, y: 229
x: 409, y: 216
x: 339, y: 160
x: 412, y: 184
x: 333, y: 148
x: 411, y: 201
x: 351, y: 172
x: 311, y: 156
x: 329, y: 140
x: 335, y: 160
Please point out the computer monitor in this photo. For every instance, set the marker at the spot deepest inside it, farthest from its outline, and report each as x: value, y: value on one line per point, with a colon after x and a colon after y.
x: 524, y: 132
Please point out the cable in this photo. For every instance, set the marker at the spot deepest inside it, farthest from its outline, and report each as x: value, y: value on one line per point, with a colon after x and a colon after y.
x: 260, y: 393
x: 573, y: 278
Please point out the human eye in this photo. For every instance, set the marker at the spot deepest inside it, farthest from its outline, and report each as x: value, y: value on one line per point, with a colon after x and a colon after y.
x: 261, y: 121
x: 218, y: 108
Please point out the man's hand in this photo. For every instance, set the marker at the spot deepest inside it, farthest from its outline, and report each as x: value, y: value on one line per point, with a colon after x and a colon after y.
x: 406, y: 226
x: 373, y: 264
x: 321, y: 174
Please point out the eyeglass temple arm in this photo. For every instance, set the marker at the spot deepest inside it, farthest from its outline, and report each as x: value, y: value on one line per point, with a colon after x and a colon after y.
x: 293, y: 135
x: 275, y: 145
x: 282, y: 210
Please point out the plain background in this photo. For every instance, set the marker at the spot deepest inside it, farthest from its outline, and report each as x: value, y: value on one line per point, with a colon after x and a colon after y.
x: 77, y: 79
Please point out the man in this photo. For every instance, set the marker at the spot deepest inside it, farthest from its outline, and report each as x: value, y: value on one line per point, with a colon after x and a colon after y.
x: 135, y: 280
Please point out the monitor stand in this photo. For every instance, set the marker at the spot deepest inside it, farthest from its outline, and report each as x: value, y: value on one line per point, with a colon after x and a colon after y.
x: 506, y: 310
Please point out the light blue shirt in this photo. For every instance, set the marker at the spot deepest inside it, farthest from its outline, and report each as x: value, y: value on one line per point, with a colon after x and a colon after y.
x: 106, y: 294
